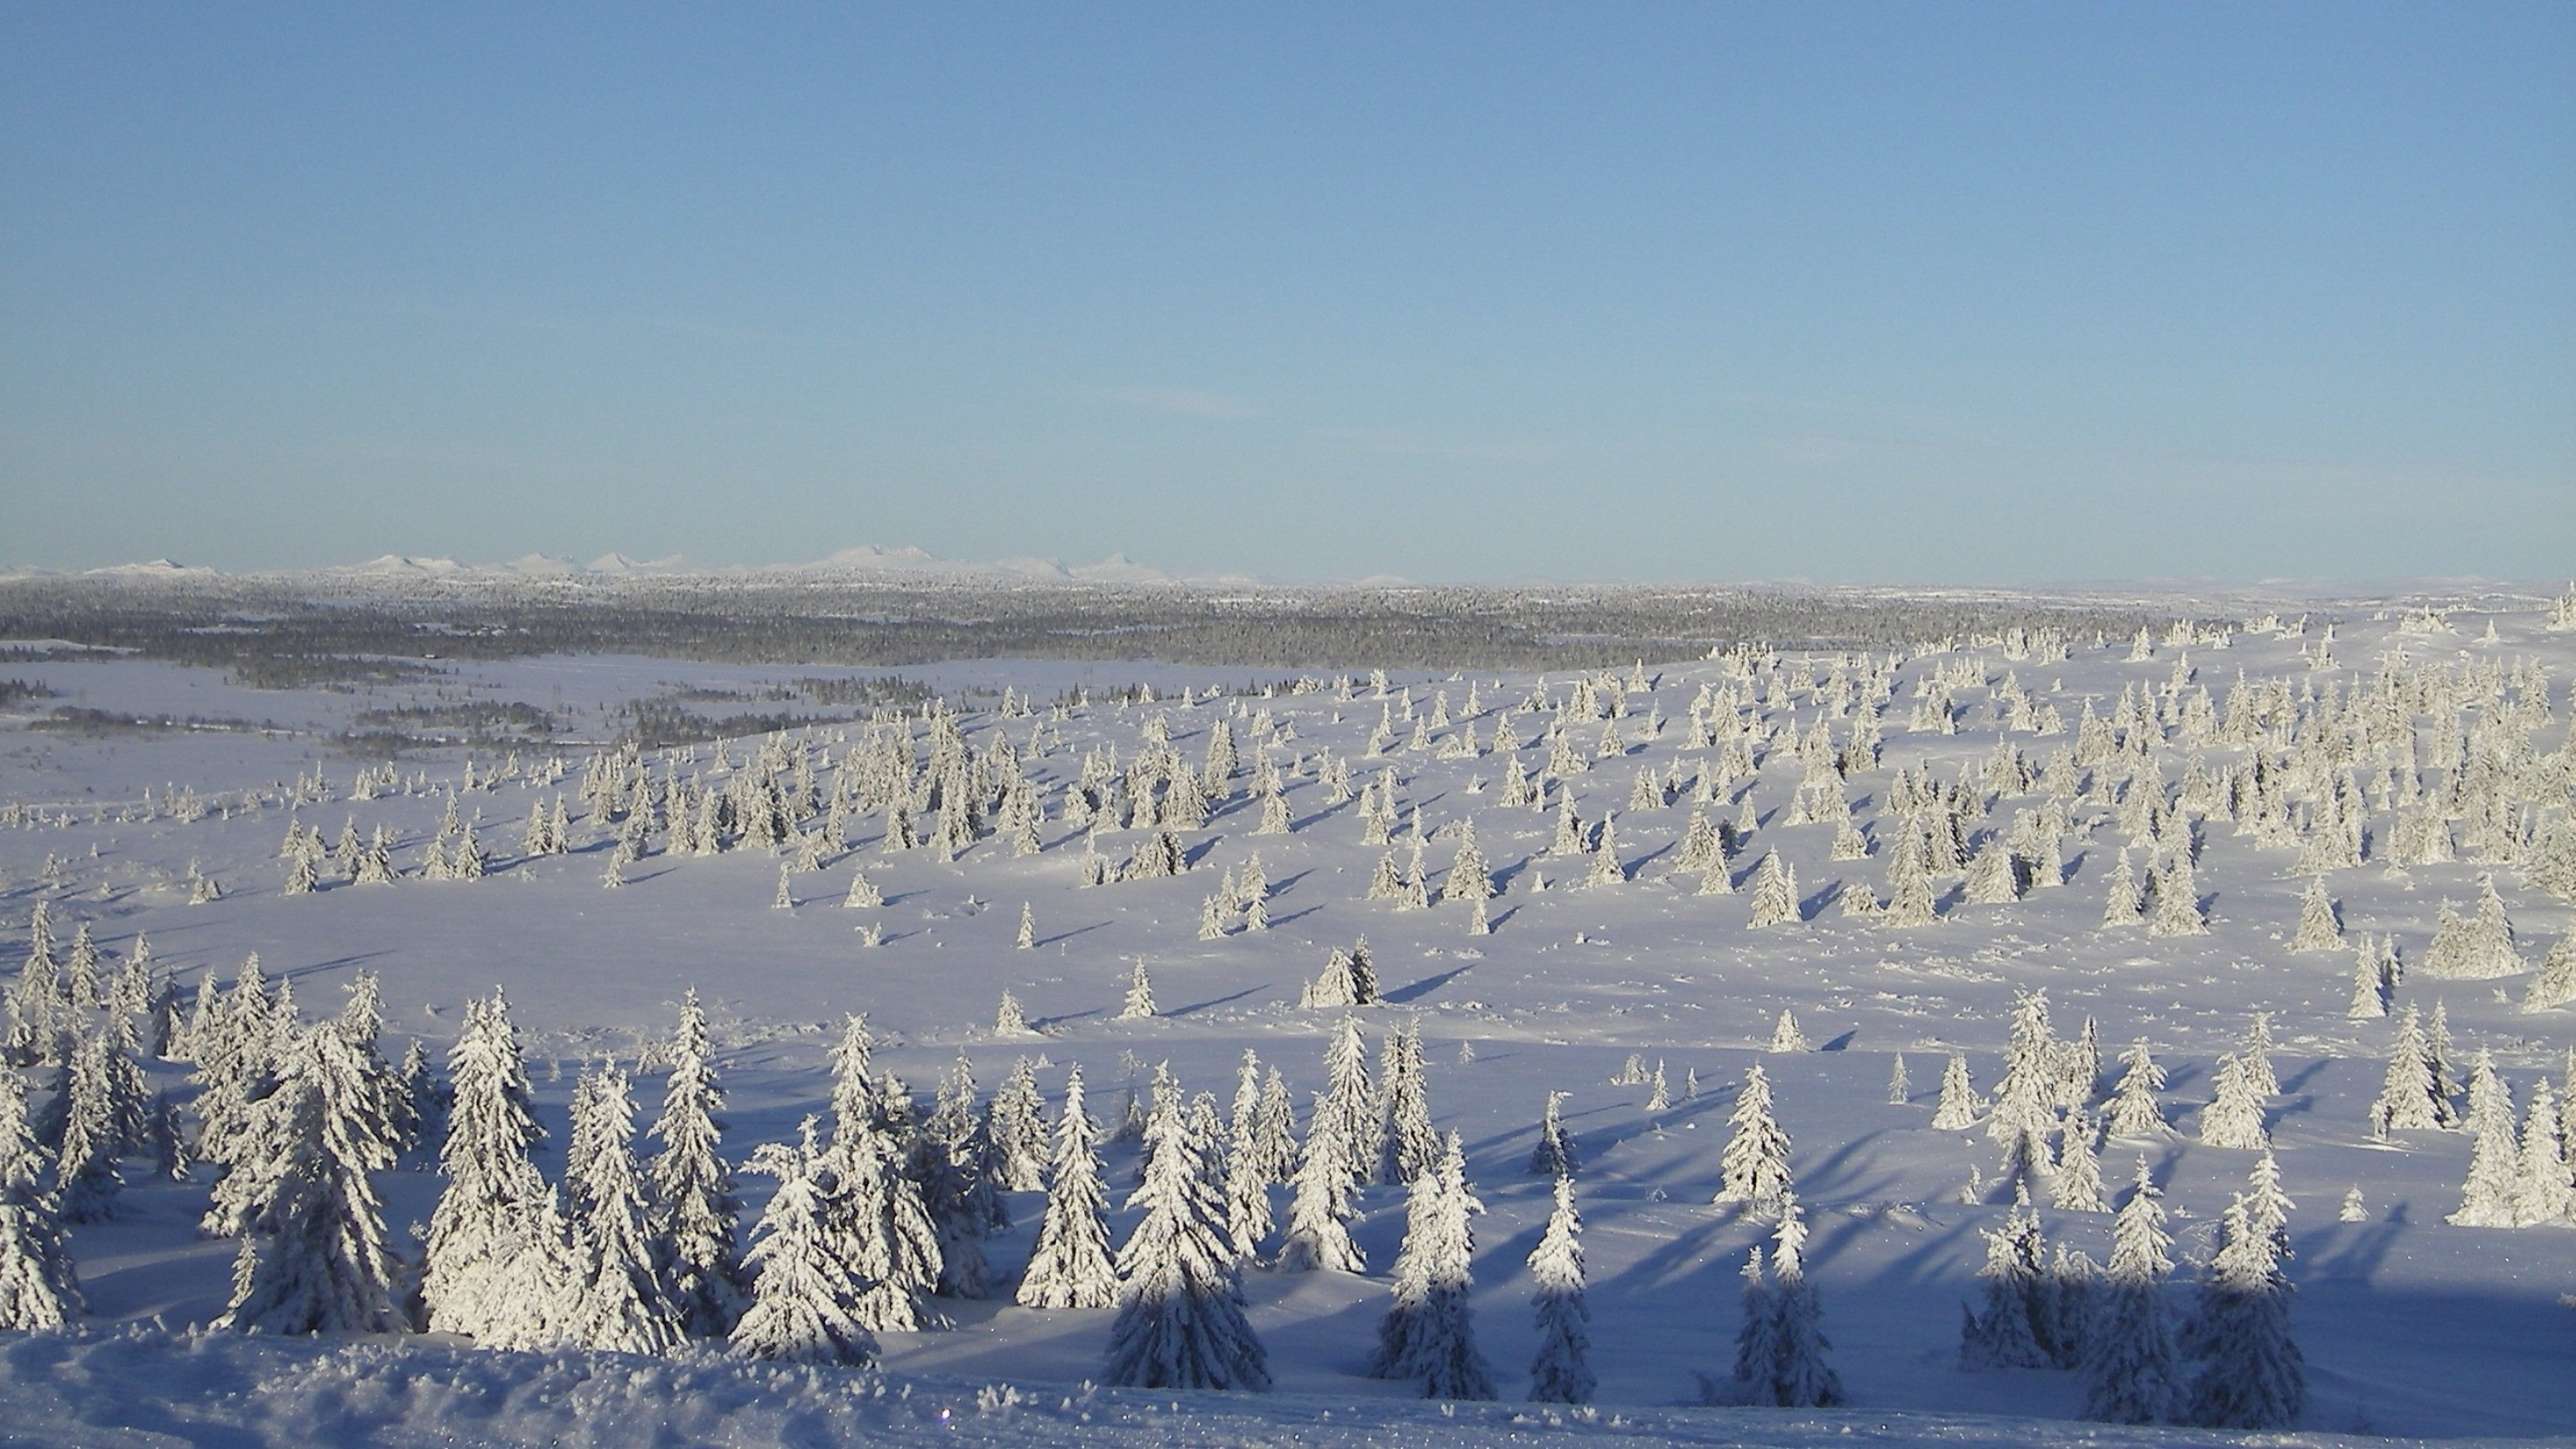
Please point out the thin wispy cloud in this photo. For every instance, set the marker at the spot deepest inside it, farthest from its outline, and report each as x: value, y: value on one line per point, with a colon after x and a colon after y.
x: 1398, y: 442
x: 1189, y: 401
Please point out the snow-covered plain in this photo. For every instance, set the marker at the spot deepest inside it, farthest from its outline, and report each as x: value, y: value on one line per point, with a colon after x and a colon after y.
x: 2410, y: 1326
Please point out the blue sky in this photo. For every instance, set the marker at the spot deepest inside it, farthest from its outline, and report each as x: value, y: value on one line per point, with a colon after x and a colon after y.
x: 1985, y: 293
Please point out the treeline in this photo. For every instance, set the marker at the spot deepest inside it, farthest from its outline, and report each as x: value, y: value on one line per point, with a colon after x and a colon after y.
x: 284, y: 633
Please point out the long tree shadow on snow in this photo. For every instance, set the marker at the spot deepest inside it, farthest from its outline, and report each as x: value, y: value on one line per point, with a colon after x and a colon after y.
x: 1407, y: 995
x: 1219, y: 1001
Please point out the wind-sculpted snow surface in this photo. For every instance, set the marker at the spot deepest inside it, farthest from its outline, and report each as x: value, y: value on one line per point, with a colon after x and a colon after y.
x: 2267, y: 916
x: 146, y: 1389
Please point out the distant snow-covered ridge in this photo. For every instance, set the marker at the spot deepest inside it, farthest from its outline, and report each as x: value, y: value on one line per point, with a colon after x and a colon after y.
x: 867, y: 564
x: 861, y: 562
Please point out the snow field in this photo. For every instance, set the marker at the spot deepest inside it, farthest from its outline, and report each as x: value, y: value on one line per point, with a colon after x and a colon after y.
x: 2409, y: 1325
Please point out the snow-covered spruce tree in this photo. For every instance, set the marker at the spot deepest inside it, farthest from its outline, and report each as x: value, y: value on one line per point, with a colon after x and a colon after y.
x: 1140, y: 995
x: 313, y: 1257
x: 2320, y: 927
x: 1910, y: 897
x: 2486, y: 1199
x: 2132, y: 1370
x: 1335, y: 987
x: 1756, y: 1346
x: 2257, y: 1057
x: 1786, y: 1037
x: 1180, y: 1322
x: 2134, y: 1110
x: 2235, y: 1119
x: 422, y: 1102
x: 1010, y: 1022
x: 1994, y: 875
x: 880, y: 1227
x: 1350, y: 1102
x: 2014, y: 1327
x: 1430, y: 1332
x: 2177, y: 911
x: 2544, y: 1181
x: 619, y: 1300
x: 2555, y: 984
x: 2079, y: 1067
x: 494, y: 1270
x: 1015, y: 1132
x: 695, y: 1213
x: 1800, y: 1376
x: 1248, y: 1166
x: 2371, y: 981
x: 1775, y: 893
x: 2408, y: 1101
x: 2077, y: 1187
x: 1554, y: 1155
x: 2251, y: 1374
x: 1561, y: 1370
x: 1900, y: 1090
x: 1410, y: 1147
x: 1323, y: 1192
x: 1275, y: 1129
x: 2437, y: 1058
x: 2024, y: 1114
x: 2491, y: 949
x: 1754, y: 1168
x: 949, y: 1159
x: 86, y: 1167
x: 804, y: 1300
x: 38, y: 1287
x: 1960, y: 1106
x: 1070, y: 1267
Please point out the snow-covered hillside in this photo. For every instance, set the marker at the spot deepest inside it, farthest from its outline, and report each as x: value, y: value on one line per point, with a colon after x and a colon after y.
x: 2242, y: 778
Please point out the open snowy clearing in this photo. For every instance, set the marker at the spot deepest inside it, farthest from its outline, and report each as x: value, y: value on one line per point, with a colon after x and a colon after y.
x: 2409, y: 1325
